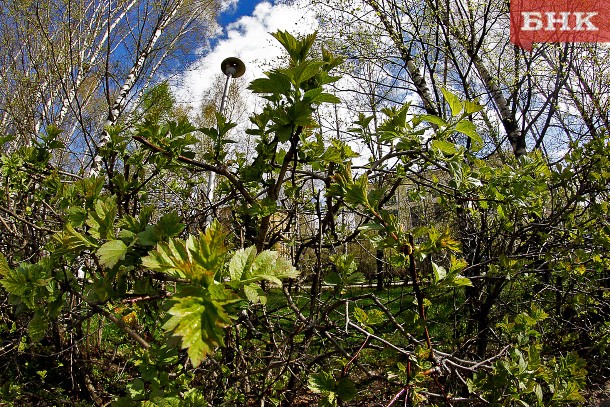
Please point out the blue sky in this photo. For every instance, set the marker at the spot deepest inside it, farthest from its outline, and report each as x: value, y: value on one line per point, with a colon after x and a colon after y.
x: 246, y: 26
x: 235, y: 11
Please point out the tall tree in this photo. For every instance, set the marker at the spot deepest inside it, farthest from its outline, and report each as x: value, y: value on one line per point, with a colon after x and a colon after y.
x: 74, y: 63
x: 464, y: 47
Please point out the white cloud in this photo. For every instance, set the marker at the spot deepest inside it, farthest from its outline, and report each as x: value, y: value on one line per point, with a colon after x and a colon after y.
x: 248, y: 39
x: 228, y: 5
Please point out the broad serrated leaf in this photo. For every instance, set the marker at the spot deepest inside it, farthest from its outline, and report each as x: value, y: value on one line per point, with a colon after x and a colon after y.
x: 361, y: 315
x: 433, y: 120
x: 136, y: 390
x: 322, y: 382
x: 37, y: 328
x: 346, y: 389
x: 333, y: 279
x: 169, y: 225
x: 111, y: 252
x: 76, y: 216
x: 472, y: 107
x: 375, y: 317
x: 357, y: 191
x: 73, y: 241
x: 15, y: 282
x: 241, y: 262
x: 208, y: 249
x: 246, y: 267
x: 198, y: 319
x: 101, y: 219
x: 255, y: 294
x: 305, y: 71
x: 199, y: 258
x: 371, y: 226
x: 276, y: 83
x: 28, y: 283
x: 317, y: 96
x: 462, y: 281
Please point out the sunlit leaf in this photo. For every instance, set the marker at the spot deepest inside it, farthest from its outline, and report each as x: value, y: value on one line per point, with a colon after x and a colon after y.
x: 198, y: 318
x: 111, y: 252
x: 445, y: 147
x: 455, y: 103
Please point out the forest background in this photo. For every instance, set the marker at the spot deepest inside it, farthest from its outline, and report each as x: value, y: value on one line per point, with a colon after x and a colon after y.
x: 412, y: 210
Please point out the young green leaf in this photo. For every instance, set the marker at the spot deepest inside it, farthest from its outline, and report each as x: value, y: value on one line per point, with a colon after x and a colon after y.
x: 37, y: 328
x: 267, y: 265
x: 73, y: 241
x: 455, y: 104
x: 198, y: 318
x: 101, y: 219
x: 111, y: 252
x: 199, y: 258
x: 439, y: 272
x: 469, y: 129
x: 445, y: 147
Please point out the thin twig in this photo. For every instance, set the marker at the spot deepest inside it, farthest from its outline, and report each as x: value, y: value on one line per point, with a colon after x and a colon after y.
x: 27, y: 222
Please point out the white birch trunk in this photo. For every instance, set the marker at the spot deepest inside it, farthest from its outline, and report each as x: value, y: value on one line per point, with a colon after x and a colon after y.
x: 130, y: 81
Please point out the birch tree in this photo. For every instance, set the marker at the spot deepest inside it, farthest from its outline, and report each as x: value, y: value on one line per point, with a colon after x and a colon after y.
x: 463, y: 46
x: 82, y: 65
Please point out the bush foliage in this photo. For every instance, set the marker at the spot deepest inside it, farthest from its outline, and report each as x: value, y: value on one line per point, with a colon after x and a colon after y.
x: 116, y: 289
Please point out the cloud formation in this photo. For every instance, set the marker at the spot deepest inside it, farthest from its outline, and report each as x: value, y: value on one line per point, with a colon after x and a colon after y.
x: 248, y: 39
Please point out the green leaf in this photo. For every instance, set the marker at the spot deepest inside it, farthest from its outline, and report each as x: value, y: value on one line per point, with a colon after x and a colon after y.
x: 29, y: 283
x: 111, y: 252
x: 371, y: 226
x: 241, y: 262
x: 4, y: 268
x: 346, y: 389
x: 455, y: 104
x: 462, y: 281
x: 323, y: 98
x: 297, y: 48
x: 169, y: 225
x: 469, y: 129
x: 304, y: 71
x: 321, y: 382
x: 37, y: 328
x: 76, y: 216
x: 199, y: 258
x: 357, y: 192
x: 433, y: 120
x: 101, y: 219
x: 375, y: 317
x: 472, y: 107
x: 445, y: 147
x: 439, y: 272
x: 333, y: 279
x: 136, y: 390
x: 275, y: 83
x: 73, y: 241
x: 247, y: 267
x: 198, y: 318
x: 208, y: 249
x: 361, y: 315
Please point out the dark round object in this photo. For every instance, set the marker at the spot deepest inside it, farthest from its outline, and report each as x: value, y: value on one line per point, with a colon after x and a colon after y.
x: 236, y: 64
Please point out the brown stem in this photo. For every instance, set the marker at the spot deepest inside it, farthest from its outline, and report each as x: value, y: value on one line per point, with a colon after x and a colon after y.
x: 418, y: 294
